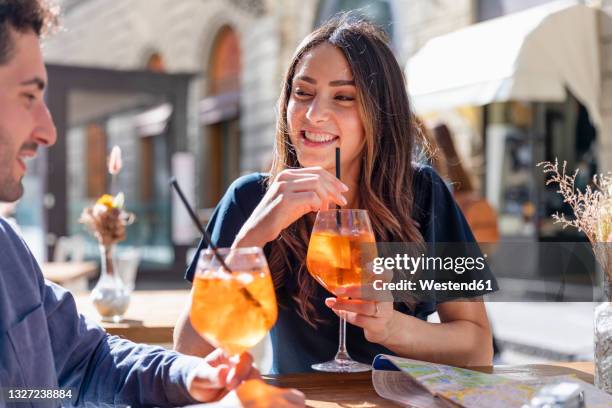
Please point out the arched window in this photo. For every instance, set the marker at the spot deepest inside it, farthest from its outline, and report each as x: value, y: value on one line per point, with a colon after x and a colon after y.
x: 225, y: 63
x: 219, y: 117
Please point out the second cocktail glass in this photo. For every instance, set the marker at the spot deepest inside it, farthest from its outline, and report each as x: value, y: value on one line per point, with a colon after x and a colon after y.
x: 233, y: 310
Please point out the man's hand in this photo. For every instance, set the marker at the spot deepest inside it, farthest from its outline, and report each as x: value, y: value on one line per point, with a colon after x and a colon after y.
x: 257, y: 394
x: 218, y: 374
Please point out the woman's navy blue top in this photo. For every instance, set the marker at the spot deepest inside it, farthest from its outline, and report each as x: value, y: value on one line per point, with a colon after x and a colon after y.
x: 297, y: 345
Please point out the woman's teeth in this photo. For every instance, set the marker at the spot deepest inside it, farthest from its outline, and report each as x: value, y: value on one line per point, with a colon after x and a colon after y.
x: 319, y: 137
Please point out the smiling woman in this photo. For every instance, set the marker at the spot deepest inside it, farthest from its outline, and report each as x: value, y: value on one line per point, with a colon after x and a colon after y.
x: 345, y: 89
x: 323, y: 107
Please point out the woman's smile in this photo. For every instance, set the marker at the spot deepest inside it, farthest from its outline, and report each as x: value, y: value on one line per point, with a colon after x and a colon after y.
x: 317, y: 139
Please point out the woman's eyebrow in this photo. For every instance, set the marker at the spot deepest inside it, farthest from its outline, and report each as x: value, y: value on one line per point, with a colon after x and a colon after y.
x: 306, y: 79
x: 342, y: 82
x: 337, y: 82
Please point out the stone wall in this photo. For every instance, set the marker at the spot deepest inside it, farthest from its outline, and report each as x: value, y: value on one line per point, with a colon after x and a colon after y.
x: 418, y: 21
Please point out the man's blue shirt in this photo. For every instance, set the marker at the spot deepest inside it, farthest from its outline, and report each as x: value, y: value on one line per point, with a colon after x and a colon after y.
x: 44, y: 342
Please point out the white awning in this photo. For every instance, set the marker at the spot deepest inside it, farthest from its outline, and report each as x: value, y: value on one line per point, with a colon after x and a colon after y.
x: 533, y: 55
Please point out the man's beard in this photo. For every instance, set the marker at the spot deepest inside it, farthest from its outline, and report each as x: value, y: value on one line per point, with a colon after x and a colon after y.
x: 11, y: 188
x: 12, y: 192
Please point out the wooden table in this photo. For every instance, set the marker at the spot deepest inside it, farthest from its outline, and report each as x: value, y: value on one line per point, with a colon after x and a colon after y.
x: 150, y: 317
x: 66, y: 273
x: 331, y: 390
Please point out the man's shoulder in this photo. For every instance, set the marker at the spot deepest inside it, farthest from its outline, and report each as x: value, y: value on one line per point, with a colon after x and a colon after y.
x: 13, y: 248
x: 20, y: 278
x: 7, y: 231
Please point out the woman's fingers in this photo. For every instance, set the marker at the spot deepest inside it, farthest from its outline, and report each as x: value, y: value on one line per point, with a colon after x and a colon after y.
x: 359, y: 320
x: 355, y: 306
x: 306, y: 202
x: 325, y: 175
x: 308, y: 172
x: 291, y: 183
x: 373, y: 317
x: 326, y: 192
x: 363, y: 307
x: 293, y: 194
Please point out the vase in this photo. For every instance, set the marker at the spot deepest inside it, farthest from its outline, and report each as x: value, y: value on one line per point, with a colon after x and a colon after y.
x: 603, y: 339
x: 110, y: 296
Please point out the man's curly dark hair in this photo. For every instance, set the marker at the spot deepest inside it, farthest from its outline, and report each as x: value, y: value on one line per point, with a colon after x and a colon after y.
x: 39, y: 16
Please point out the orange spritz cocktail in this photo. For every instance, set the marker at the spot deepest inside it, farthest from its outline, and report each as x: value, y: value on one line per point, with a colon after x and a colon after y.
x: 233, y: 310
x: 337, y: 260
x: 341, y: 246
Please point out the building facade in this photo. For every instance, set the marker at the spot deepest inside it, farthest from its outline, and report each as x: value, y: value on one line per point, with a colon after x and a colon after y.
x: 238, y: 51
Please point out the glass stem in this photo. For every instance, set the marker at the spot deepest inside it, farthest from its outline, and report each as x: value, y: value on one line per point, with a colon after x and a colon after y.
x: 342, y: 354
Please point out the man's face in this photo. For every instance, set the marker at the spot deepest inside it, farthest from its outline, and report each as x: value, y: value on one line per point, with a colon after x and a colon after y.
x: 25, y: 122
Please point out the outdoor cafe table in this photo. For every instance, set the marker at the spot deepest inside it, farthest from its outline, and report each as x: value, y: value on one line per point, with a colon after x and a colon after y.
x: 150, y: 318
x: 152, y: 315
x: 331, y: 390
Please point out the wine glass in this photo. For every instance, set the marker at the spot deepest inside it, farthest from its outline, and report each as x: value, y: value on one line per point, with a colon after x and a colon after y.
x: 341, y: 245
x: 233, y: 310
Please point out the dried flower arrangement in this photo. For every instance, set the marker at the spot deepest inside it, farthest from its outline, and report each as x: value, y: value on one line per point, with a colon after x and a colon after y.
x: 592, y: 209
x: 107, y: 219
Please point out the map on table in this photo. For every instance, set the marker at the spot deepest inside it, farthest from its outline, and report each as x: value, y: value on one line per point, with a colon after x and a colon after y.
x: 421, y: 384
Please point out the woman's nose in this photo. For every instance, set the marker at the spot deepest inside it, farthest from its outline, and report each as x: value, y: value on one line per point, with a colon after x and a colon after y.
x: 318, y: 111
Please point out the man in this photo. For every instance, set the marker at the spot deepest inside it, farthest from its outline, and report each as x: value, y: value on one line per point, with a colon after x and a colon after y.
x: 44, y: 342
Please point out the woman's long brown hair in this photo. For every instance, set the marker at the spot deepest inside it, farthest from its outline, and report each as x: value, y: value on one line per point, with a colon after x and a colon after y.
x: 385, y: 179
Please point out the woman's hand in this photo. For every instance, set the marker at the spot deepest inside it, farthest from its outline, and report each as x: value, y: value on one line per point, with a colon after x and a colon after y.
x: 375, y: 317
x: 218, y: 374
x: 294, y: 193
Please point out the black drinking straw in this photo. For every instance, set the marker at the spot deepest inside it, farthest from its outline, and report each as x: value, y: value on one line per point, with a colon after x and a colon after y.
x: 198, y: 224
x: 338, y: 164
x: 338, y: 219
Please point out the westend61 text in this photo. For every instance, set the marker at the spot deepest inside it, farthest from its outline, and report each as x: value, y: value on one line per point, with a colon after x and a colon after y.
x: 430, y: 284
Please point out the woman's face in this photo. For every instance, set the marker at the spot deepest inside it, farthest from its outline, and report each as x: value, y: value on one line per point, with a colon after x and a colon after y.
x: 322, y: 112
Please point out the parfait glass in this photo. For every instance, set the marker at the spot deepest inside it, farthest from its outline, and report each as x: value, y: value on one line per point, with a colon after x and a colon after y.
x: 341, y: 245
